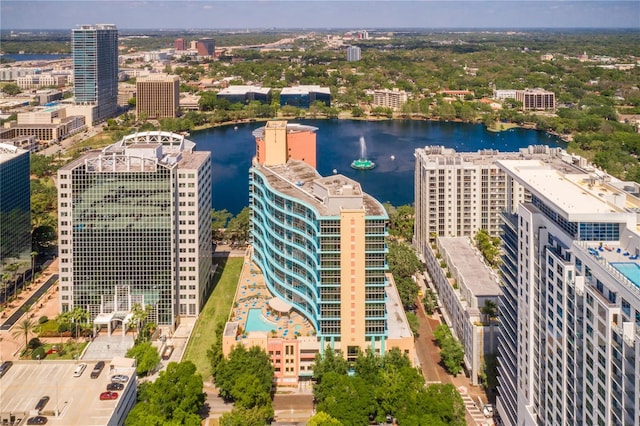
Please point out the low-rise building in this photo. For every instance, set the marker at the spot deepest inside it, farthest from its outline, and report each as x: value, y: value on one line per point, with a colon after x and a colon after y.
x: 246, y: 94
x: 465, y: 285
x: 305, y: 96
x: 386, y: 98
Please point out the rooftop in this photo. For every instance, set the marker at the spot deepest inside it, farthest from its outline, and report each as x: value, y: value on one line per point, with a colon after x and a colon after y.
x: 326, y: 195
x: 398, y: 326
x: 303, y: 90
x: 479, y: 279
x: 579, y: 195
x: 242, y: 90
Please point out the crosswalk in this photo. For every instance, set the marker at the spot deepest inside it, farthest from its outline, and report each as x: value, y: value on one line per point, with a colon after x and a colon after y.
x: 474, y: 411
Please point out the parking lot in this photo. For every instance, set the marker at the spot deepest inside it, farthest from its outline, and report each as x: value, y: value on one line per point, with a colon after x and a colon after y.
x: 72, y: 400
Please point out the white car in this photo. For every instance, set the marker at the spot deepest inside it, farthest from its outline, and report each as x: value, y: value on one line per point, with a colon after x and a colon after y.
x: 79, y: 370
x: 119, y: 378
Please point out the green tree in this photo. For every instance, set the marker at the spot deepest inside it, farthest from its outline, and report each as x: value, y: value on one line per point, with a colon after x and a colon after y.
x: 403, y: 261
x: 238, y: 227
x: 489, y: 310
x: 240, y: 362
x: 24, y: 328
x: 146, y: 356
x: 239, y: 416
x: 452, y: 354
x: 323, y: 419
x: 174, y: 398
x: 329, y: 362
x: 11, y: 89
x: 219, y: 220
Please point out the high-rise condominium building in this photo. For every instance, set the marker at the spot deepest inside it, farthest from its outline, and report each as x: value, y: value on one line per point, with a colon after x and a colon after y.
x: 353, y: 53
x: 459, y: 193
x: 180, y: 44
x: 15, y: 207
x: 95, y: 69
x: 158, y: 96
x: 536, y: 99
x: 135, y: 227
x: 570, y: 342
x: 320, y: 243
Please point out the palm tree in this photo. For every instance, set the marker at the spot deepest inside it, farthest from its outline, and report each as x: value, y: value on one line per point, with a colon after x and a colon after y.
x: 24, y: 328
x: 489, y: 310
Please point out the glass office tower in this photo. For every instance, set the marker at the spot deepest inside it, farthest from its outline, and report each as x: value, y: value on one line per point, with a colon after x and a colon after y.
x: 15, y: 206
x: 95, y: 68
x: 135, y: 227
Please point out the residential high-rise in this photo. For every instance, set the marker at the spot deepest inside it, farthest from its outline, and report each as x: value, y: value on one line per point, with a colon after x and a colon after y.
x: 135, y: 227
x: 536, y: 99
x: 320, y: 243
x: 570, y: 342
x: 158, y: 96
x: 95, y: 69
x: 206, y: 47
x: 353, y: 53
x: 15, y: 208
x: 459, y: 193
x: 180, y: 44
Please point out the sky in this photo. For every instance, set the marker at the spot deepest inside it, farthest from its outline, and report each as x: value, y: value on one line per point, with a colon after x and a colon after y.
x: 310, y: 14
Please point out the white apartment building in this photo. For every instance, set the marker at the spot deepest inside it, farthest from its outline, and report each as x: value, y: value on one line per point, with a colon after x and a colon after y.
x: 35, y: 81
x: 386, y: 98
x: 503, y: 94
x: 464, y: 285
x: 353, y: 53
x: 135, y: 227
x: 569, y: 346
x: 459, y: 193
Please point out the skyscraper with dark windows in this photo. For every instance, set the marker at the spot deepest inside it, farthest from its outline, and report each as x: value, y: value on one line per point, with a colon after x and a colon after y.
x: 95, y: 69
x: 15, y: 207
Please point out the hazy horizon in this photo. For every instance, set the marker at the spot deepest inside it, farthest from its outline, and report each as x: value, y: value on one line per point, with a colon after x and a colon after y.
x: 310, y: 14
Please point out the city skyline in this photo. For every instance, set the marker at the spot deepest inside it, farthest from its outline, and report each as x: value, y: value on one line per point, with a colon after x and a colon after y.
x: 212, y: 14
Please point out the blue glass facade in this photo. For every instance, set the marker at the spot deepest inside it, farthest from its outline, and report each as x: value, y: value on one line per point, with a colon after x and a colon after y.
x: 15, y: 205
x: 299, y: 252
x: 95, y: 68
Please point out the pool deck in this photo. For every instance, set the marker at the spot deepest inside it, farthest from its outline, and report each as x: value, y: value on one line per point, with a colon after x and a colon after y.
x: 252, y: 293
x: 614, y: 254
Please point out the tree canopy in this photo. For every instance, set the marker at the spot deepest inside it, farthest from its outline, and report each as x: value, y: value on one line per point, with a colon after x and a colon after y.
x: 380, y: 387
x: 245, y: 377
x: 174, y: 398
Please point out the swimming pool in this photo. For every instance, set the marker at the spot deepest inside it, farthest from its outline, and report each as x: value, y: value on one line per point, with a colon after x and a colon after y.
x: 256, y: 322
x: 631, y: 270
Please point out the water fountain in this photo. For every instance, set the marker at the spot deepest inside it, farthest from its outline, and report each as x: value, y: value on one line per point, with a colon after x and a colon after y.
x: 362, y: 163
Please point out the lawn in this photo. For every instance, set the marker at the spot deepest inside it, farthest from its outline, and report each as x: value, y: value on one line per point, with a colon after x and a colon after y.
x: 216, y: 310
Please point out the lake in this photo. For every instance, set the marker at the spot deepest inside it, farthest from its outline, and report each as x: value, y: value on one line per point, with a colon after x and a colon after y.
x: 338, y: 145
x: 34, y: 56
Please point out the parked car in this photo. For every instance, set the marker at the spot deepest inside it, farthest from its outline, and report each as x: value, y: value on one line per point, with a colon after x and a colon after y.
x: 115, y: 386
x: 41, y: 404
x: 166, y: 353
x: 106, y: 396
x: 97, y: 369
x: 4, y: 367
x: 79, y: 370
x: 119, y: 378
x: 37, y: 420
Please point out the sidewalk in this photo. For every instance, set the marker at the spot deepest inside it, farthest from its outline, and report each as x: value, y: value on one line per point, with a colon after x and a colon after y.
x: 46, y: 305
x: 474, y: 397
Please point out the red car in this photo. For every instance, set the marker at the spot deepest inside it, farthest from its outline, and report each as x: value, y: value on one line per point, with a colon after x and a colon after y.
x: 105, y: 396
